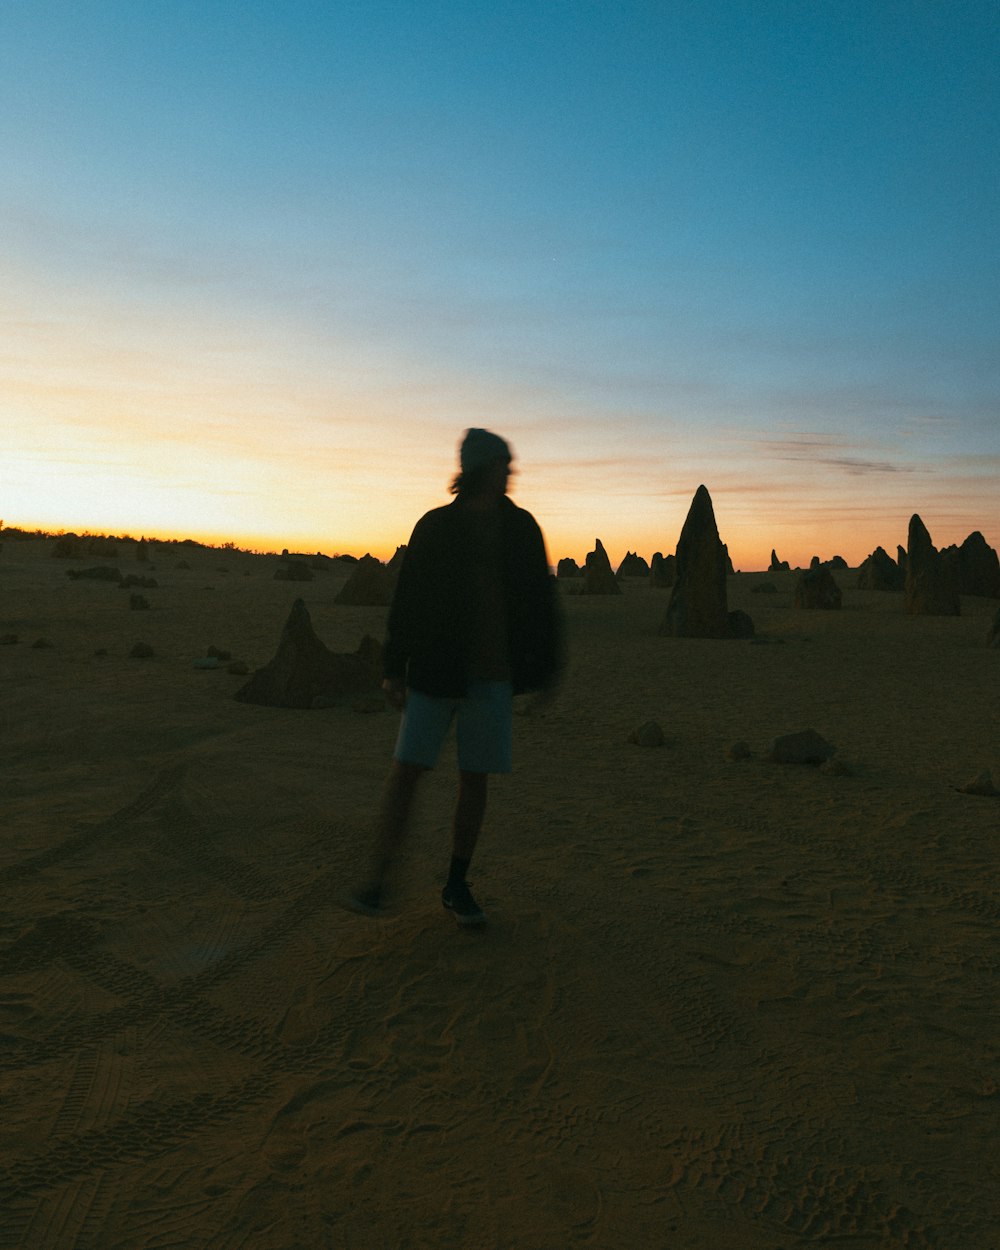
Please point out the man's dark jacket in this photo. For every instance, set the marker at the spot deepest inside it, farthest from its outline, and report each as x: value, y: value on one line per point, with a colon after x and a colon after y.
x: 433, y: 614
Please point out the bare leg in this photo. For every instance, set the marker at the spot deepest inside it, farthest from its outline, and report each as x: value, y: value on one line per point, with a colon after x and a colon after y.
x: 397, y: 800
x: 469, y: 812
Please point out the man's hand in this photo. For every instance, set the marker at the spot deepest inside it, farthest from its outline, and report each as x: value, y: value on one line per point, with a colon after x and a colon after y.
x: 395, y: 692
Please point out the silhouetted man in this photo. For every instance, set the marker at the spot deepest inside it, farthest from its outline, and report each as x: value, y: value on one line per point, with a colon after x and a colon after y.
x: 473, y: 622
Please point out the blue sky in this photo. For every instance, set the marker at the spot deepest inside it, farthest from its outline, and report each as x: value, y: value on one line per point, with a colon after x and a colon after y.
x: 263, y: 264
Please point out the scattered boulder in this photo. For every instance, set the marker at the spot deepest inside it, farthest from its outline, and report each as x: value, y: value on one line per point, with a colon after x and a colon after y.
x: 814, y: 564
x: 740, y: 624
x: 568, y: 567
x: 816, y: 588
x: 291, y: 570
x: 805, y: 747
x: 698, y: 606
x: 633, y: 566
x: 100, y: 573
x: 981, y: 784
x: 776, y: 565
x: 304, y: 670
x: 648, y: 735
x: 662, y: 571
x: 598, y: 577
x: 931, y: 577
x: 879, y: 571
x: 369, y: 585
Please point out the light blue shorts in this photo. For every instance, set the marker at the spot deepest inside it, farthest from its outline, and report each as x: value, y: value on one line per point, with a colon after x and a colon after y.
x: 483, y: 727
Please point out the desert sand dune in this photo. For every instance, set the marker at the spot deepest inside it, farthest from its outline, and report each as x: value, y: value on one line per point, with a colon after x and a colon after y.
x: 720, y: 1004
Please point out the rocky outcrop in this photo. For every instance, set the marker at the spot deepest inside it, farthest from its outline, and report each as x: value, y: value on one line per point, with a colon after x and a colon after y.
x: 369, y: 585
x: 568, y: 567
x: 879, y: 571
x: 633, y: 566
x: 304, y: 673
x: 931, y: 578
x: 776, y: 565
x: 698, y: 606
x: 662, y: 571
x: 977, y: 567
x: 599, y: 577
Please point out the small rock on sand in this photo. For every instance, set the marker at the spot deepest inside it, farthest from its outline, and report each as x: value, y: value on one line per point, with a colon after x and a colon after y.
x: 648, y: 735
x: 981, y: 784
x: 806, y: 747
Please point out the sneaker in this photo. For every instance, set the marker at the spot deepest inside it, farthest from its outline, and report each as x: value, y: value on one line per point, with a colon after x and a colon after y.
x: 367, y: 900
x: 458, y: 900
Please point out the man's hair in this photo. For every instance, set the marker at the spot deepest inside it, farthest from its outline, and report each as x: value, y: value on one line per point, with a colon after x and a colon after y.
x: 472, y: 481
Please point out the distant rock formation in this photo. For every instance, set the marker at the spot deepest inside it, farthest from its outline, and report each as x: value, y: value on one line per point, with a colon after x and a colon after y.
x: 599, y: 578
x: 931, y: 578
x: 977, y: 567
x: 730, y: 571
x: 814, y: 564
x: 67, y: 547
x: 776, y: 565
x: 839, y: 563
x: 662, y: 571
x: 293, y: 570
x: 568, y: 567
x: 304, y: 673
x: 633, y: 566
x: 879, y: 571
x: 100, y: 573
x: 816, y: 588
x: 698, y: 606
x: 397, y: 559
x: 901, y: 558
x: 369, y: 585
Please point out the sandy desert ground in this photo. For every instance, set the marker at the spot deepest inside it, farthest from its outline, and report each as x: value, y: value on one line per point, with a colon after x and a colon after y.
x: 720, y: 1004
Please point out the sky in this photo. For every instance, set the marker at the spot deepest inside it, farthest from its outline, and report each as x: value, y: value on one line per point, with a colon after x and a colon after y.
x: 262, y: 264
